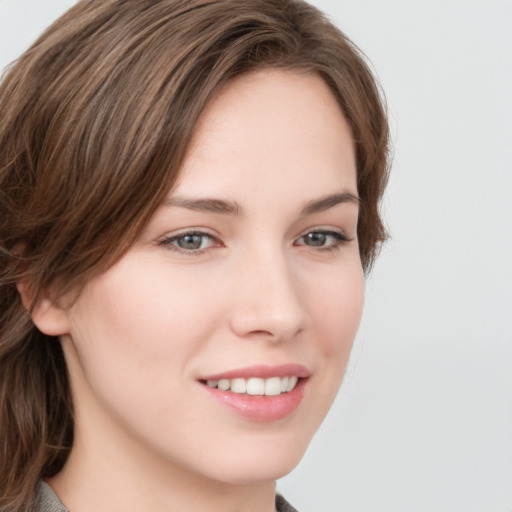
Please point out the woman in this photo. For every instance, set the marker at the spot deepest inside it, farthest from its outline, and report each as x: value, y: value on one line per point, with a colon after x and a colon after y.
x: 189, y: 200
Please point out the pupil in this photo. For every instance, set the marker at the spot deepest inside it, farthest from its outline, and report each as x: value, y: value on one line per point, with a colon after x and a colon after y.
x: 190, y: 242
x: 317, y: 239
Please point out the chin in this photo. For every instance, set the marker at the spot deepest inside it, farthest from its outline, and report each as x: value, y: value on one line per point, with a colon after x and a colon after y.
x: 260, y: 461
x: 253, y: 474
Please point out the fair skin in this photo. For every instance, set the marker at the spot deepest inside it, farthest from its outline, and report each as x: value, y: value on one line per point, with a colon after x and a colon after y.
x: 263, y: 282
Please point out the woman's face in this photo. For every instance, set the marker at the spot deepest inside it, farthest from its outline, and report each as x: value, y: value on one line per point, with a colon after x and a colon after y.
x: 248, y: 277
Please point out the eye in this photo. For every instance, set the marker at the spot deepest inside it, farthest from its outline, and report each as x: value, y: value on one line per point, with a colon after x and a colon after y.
x: 323, y: 239
x: 191, y: 242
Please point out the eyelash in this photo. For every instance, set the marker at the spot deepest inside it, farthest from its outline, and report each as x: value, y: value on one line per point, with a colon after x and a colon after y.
x: 168, y: 242
x: 339, y: 239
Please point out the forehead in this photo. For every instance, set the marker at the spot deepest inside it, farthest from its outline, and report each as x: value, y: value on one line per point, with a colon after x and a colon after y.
x: 271, y: 126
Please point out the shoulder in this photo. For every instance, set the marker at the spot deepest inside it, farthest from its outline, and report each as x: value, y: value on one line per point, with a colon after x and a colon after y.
x: 47, y: 500
x: 283, y: 506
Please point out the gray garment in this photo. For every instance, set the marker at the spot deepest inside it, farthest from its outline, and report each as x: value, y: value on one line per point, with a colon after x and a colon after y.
x: 47, y: 501
x: 283, y: 506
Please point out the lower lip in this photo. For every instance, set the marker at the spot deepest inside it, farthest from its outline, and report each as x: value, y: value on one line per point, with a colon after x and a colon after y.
x: 261, y: 408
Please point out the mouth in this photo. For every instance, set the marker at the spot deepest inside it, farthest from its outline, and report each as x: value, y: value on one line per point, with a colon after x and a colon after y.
x: 259, y: 393
x: 255, y: 386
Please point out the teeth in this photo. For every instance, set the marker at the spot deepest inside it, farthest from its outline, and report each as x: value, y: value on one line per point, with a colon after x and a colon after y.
x: 224, y: 384
x: 238, y: 386
x: 256, y: 386
x: 292, y: 382
x: 273, y: 386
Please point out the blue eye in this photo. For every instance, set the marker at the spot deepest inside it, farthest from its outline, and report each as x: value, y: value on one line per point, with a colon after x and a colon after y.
x: 189, y: 242
x: 323, y: 239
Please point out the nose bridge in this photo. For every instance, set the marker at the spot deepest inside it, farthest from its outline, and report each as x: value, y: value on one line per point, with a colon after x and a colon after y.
x: 269, y: 299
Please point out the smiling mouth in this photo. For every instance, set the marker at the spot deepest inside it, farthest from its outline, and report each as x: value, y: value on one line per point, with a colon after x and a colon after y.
x: 255, y: 386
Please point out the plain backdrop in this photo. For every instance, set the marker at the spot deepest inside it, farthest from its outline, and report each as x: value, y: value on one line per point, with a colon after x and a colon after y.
x: 423, y: 422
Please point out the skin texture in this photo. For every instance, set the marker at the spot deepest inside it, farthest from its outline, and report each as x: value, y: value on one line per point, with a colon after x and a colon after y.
x: 149, y: 435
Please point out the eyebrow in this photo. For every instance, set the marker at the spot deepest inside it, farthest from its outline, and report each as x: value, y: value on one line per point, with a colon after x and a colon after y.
x: 206, y: 205
x: 324, y: 203
x: 221, y: 206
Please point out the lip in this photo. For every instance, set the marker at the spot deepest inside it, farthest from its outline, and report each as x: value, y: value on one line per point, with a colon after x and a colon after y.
x: 262, y: 371
x: 259, y: 408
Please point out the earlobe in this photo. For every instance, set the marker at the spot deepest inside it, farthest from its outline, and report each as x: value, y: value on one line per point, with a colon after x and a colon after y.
x: 47, y: 315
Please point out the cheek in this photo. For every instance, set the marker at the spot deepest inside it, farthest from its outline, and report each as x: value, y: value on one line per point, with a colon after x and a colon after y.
x: 134, y: 332
x: 149, y: 311
x: 335, y: 305
x: 336, y: 309
x: 133, y: 336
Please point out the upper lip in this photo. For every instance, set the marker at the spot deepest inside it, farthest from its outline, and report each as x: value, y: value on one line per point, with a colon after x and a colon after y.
x: 262, y: 371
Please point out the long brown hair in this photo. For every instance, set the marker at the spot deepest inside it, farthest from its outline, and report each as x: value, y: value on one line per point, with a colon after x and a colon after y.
x: 95, y: 120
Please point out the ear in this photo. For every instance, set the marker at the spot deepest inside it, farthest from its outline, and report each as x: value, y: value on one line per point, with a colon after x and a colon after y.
x: 49, y: 317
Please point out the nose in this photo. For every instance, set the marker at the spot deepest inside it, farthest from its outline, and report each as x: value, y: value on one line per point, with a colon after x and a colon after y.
x: 268, y: 302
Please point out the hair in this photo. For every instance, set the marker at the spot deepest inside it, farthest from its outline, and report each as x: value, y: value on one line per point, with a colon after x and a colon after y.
x: 95, y: 121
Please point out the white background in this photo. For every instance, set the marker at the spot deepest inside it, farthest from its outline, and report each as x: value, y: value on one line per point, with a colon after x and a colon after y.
x: 424, y: 419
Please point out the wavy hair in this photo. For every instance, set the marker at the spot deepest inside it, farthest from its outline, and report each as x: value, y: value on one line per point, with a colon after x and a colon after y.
x: 95, y: 121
